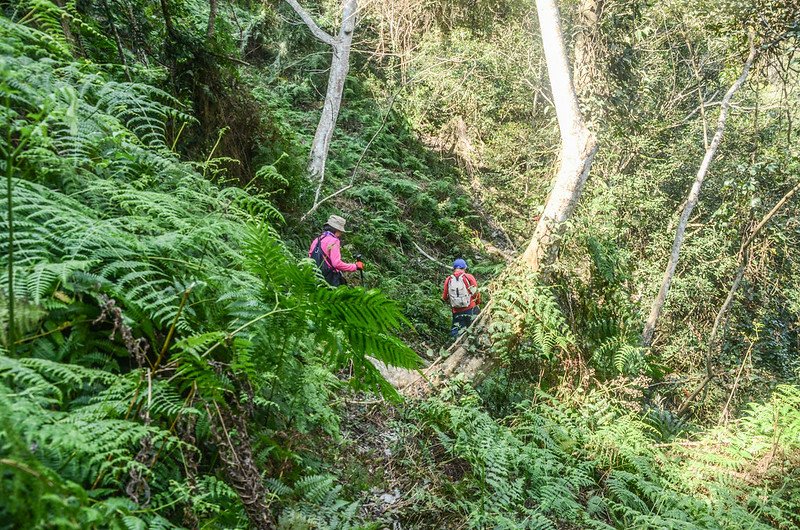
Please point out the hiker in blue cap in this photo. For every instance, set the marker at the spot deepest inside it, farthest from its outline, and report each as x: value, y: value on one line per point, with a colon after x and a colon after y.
x: 461, y: 292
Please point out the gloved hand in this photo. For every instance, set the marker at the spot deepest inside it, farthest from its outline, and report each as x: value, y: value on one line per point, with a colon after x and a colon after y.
x: 360, y: 265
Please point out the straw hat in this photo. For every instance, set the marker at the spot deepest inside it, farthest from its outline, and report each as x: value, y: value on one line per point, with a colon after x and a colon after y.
x: 337, y: 223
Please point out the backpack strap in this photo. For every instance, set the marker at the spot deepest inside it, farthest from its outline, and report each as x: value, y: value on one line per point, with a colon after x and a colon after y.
x: 472, y: 284
x: 452, y: 277
x: 325, y: 255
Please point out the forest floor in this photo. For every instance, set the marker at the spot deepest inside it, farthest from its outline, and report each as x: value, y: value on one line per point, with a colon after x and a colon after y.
x: 370, y: 434
x: 387, y: 456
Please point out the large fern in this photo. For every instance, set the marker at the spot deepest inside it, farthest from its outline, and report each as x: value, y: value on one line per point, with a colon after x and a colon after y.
x: 158, y: 315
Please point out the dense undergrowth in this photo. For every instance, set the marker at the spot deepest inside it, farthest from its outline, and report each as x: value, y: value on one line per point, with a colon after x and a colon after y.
x: 169, y: 359
x: 156, y: 316
x: 586, y: 460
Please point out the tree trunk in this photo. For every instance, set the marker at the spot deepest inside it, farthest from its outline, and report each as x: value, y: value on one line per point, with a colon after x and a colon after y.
x: 340, y: 65
x: 578, y: 147
x: 117, y: 40
x: 140, y: 47
x: 578, y: 144
x: 229, y: 432
x: 212, y: 18
x: 691, y: 202
x: 587, y: 75
x: 169, y: 44
x: 72, y: 39
x: 170, y: 29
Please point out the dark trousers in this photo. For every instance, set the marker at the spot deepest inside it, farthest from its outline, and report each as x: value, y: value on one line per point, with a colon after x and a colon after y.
x: 462, y: 321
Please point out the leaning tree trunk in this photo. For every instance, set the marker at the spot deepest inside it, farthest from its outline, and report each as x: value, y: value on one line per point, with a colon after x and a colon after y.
x: 691, y: 202
x: 340, y: 65
x: 578, y: 144
x: 578, y: 147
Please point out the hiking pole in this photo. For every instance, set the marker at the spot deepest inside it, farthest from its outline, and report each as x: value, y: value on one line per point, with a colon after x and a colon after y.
x: 361, y: 271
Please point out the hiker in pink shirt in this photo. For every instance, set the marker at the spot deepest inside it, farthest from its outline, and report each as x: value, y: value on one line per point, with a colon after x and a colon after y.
x: 326, y: 251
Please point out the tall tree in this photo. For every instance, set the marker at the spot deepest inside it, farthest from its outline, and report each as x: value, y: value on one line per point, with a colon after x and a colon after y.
x: 578, y: 147
x: 578, y: 144
x: 340, y: 64
x: 691, y: 200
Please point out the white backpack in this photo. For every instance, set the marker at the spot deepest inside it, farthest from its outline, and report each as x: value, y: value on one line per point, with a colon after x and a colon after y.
x: 459, y: 291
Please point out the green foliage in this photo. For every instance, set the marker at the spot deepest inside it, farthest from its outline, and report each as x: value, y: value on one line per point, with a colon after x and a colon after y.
x: 170, y: 363
x: 527, y: 323
x: 588, y: 463
x: 602, y: 314
x: 401, y: 193
x: 152, y: 312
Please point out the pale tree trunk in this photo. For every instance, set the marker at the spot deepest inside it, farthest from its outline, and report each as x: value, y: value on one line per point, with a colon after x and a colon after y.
x: 578, y: 147
x: 578, y: 144
x: 340, y: 65
x: 691, y: 202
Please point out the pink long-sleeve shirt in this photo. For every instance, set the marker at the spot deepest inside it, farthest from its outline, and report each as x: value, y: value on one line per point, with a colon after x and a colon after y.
x: 331, y: 247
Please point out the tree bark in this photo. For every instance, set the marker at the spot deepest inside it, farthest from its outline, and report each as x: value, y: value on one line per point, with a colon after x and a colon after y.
x: 212, y: 18
x: 340, y: 65
x: 229, y: 432
x: 140, y: 47
x: 72, y: 39
x: 587, y: 75
x: 578, y: 144
x: 691, y: 202
x: 170, y: 41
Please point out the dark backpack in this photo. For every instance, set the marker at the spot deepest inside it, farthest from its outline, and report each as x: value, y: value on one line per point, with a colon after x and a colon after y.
x: 331, y: 275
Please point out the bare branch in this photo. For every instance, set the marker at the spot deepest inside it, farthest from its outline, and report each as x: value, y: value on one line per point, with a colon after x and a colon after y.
x: 743, y: 261
x: 319, y: 203
x: 770, y: 215
x: 436, y: 261
x: 318, y: 32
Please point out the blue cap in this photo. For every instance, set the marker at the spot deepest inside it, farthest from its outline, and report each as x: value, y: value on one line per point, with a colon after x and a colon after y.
x: 459, y: 264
